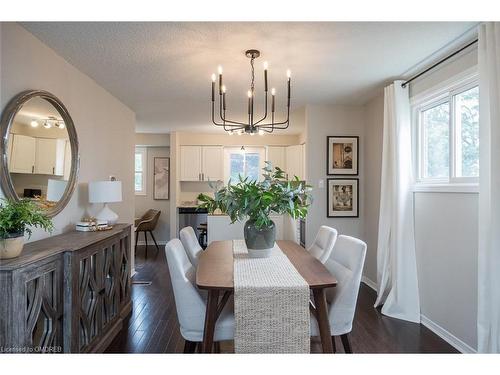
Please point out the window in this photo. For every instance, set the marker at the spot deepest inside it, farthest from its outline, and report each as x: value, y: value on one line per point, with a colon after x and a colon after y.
x: 447, y: 124
x: 243, y: 161
x: 140, y: 170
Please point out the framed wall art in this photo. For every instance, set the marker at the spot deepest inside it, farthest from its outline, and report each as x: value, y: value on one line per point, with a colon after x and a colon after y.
x: 161, y: 184
x: 342, y: 155
x: 342, y: 197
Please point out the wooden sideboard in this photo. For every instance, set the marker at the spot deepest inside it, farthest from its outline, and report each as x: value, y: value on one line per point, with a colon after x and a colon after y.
x: 67, y: 293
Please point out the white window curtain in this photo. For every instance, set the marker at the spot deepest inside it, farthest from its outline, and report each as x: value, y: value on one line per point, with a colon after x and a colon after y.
x: 396, y: 261
x: 489, y: 189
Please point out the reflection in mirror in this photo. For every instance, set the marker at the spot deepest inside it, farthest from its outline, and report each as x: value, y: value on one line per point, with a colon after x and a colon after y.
x: 39, y: 153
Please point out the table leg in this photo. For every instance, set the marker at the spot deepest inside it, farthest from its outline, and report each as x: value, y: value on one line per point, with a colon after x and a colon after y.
x: 210, y: 319
x: 322, y: 317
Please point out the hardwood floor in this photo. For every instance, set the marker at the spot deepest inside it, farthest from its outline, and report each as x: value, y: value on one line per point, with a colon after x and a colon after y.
x: 152, y: 327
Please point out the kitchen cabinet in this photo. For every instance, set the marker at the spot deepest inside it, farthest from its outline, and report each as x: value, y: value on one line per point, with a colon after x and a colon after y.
x: 22, y: 154
x: 37, y: 155
x: 190, y: 163
x: 212, y: 162
x: 49, y: 156
x: 295, y: 159
x: 201, y: 163
x: 277, y: 156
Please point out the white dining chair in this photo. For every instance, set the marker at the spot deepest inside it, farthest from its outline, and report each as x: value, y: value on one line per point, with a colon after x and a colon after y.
x: 190, y: 302
x: 346, y: 264
x: 323, y: 243
x: 191, y: 244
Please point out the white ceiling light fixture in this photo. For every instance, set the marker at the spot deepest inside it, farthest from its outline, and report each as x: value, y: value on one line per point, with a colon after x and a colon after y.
x: 253, y: 125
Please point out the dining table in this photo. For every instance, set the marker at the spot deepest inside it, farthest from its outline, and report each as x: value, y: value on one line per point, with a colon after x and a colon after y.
x: 215, y: 275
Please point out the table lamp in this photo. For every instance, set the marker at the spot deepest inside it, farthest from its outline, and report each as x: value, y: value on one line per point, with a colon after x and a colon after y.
x: 106, y: 192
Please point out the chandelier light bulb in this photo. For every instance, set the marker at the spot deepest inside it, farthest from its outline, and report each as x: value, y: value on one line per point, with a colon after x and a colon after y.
x: 230, y: 132
x: 224, y: 89
x: 249, y: 93
x: 213, y: 77
x: 266, y: 65
x: 273, y: 91
x: 288, y: 73
x: 34, y: 124
x: 61, y: 125
x: 220, y: 69
x: 261, y: 132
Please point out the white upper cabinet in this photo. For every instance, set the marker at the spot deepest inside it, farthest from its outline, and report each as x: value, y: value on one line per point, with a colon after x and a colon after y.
x: 37, y: 155
x: 190, y: 163
x: 295, y: 162
x: 277, y: 156
x: 22, y: 154
x: 202, y: 163
x: 49, y: 157
x: 212, y: 163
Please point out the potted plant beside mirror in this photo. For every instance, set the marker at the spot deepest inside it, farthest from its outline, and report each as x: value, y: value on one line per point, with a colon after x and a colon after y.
x: 17, y: 218
x: 255, y: 201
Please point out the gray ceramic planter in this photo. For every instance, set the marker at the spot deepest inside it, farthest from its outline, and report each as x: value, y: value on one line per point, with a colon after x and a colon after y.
x: 259, y: 242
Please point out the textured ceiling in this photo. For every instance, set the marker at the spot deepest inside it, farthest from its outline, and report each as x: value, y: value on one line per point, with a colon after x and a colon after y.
x: 162, y: 70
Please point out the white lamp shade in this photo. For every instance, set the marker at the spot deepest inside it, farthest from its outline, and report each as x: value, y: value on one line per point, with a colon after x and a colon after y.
x: 105, y: 191
x: 55, y: 190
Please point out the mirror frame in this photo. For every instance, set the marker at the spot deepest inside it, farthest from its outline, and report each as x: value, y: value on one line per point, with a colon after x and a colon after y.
x: 6, y: 121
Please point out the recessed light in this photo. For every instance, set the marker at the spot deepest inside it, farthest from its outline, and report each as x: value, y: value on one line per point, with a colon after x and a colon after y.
x: 34, y: 124
x: 47, y: 125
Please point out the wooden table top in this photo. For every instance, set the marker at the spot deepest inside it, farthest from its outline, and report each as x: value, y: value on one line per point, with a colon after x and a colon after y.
x: 215, y: 266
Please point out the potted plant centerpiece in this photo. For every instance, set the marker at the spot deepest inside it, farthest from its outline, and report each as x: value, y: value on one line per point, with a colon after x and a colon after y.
x: 17, y: 218
x: 255, y: 201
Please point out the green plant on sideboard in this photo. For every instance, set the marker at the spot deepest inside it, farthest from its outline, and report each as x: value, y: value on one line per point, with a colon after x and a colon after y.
x: 17, y: 218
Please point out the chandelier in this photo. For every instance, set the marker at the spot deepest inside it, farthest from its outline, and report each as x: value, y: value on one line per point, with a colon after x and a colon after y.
x: 253, y: 125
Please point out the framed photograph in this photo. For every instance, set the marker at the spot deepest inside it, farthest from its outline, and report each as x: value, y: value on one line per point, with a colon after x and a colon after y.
x: 342, y: 197
x: 161, y: 185
x: 342, y: 155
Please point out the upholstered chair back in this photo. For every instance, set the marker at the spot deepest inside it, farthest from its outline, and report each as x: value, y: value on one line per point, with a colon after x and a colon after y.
x: 189, y: 302
x: 191, y: 244
x: 323, y: 243
x: 346, y: 263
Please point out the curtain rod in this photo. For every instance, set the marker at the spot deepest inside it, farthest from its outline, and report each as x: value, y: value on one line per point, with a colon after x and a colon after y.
x: 438, y: 63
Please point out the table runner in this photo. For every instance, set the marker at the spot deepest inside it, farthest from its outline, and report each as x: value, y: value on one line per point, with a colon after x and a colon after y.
x: 271, y: 304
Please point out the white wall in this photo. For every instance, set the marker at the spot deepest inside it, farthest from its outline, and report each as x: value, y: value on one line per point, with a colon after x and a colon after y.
x: 446, y: 242
x: 374, y: 124
x: 322, y: 121
x: 105, y: 126
x: 145, y: 202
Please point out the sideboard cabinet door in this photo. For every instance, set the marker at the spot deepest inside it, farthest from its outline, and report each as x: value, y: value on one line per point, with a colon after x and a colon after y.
x: 38, y: 300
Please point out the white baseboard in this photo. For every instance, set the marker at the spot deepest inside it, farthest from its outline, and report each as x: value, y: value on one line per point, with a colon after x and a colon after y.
x: 454, y: 341
x: 369, y: 282
x: 451, y: 339
x: 151, y: 243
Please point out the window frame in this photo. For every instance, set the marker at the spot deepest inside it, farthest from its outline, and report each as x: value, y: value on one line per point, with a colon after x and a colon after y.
x: 144, y: 155
x: 261, y: 150
x: 437, y: 95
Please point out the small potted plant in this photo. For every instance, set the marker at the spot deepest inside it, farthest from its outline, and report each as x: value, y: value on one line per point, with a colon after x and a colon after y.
x: 255, y: 201
x: 17, y: 218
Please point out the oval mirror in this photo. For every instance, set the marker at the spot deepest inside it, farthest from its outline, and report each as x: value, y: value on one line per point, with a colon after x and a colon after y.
x: 39, y: 151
